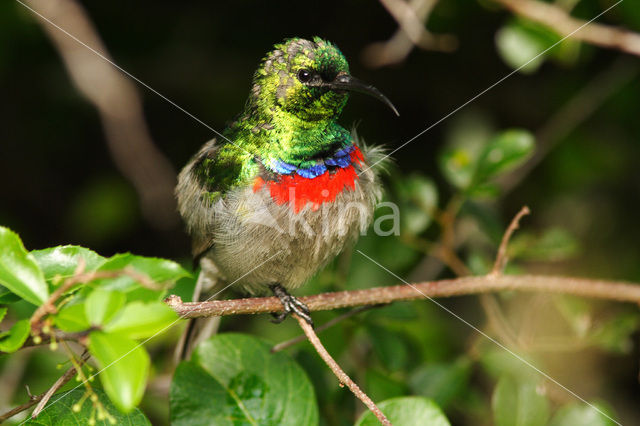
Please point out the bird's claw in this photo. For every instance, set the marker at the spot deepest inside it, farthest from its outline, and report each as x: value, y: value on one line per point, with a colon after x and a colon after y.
x: 291, y: 305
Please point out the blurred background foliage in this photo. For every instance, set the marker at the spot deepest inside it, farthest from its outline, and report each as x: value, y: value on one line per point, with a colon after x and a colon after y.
x: 566, y: 126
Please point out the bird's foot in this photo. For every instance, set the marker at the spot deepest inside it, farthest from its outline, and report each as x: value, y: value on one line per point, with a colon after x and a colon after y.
x: 291, y: 305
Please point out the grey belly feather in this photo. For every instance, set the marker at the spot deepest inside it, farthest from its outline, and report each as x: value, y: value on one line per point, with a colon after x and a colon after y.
x: 255, y: 242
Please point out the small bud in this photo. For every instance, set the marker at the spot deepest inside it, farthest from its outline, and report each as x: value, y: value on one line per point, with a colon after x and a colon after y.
x: 46, y: 329
x: 75, y: 408
x: 94, y: 398
x: 92, y: 421
x: 53, y: 346
x: 37, y: 339
x: 101, y: 416
x: 112, y: 421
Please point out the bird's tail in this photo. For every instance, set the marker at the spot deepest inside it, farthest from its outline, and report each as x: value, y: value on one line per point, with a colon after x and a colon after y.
x: 200, y: 329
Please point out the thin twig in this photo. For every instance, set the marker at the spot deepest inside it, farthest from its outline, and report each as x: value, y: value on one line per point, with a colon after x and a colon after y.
x: 600, y: 289
x: 71, y: 372
x: 81, y: 277
x: 411, y: 24
x: 49, y: 306
x: 411, y: 17
x: 44, y: 397
x: 323, y: 327
x: 60, y: 336
x: 501, y: 257
x: 340, y: 374
x: 118, y: 103
x: 564, y: 24
x: 489, y: 302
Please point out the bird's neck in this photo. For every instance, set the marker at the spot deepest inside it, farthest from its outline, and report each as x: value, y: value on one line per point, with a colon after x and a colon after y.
x: 279, y: 137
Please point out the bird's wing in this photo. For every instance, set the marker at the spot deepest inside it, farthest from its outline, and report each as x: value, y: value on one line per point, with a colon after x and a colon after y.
x: 192, y: 185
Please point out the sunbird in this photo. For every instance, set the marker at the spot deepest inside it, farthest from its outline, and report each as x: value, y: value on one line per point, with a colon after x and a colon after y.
x: 286, y: 187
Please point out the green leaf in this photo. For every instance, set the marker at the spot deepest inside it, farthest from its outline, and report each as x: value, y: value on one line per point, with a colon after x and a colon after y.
x: 19, y: 271
x: 124, y: 367
x: 555, y: 244
x: 422, y: 191
x: 615, y: 333
x: 12, y: 340
x: 458, y: 166
x: 504, y: 152
x: 420, y: 199
x: 72, y: 318
x: 465, y: 142
x: 141, y: 320
x: 498, y: 362
x: 407, y: 410
x: 389, y: 346
x: 59, y: 411
x: 584, y: 415
x: 62, y: 261
x: 3, y: 312
x: 102, y: 304
x: 197, y: 398
x: 381, y: 386
x: 6, y: 296
x: 478, y: 263
x: 160, y: 271
x: 576, y: 311
x: 484, y: 190
x: 442, y: 382
x: 521, y: 44
x: 519, y: 403
x: 520, y: 47
x: 235, y: 379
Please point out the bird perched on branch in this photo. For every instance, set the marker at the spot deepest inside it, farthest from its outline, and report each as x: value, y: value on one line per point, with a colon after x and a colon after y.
x: 288, y: 187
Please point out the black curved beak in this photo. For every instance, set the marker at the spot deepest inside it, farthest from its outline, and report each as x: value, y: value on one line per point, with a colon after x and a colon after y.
x: 347, y: 82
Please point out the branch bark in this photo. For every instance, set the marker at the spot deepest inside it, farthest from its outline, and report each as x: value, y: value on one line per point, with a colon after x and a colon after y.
x: 564, y: 24
x: 501, y: 257
x: 599, y: 289
x: 340, y: 374
x: 118, y: 103
x: 411, y: 17
x: 44, y: 397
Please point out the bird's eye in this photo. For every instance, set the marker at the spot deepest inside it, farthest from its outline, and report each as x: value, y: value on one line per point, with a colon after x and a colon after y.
x: 304, y: 75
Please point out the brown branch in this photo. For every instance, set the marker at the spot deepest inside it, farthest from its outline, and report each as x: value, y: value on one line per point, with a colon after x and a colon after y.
x: 117, y: 102
x: 600, y: 289
x: 564, y: 24
x: 501, y: 257
x: 49, y: 306
x: 60, y: 336
x: 323, y: 327
x: 410, y: 17
x: 340, y: 374
x: 58, y: 384
x: 44, y: 397
x: 81, y: 277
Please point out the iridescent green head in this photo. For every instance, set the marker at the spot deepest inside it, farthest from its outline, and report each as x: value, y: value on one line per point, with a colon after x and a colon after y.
x: 308, y: 80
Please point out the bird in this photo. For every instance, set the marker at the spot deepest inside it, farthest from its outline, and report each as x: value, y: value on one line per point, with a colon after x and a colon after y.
x: 285, y: 188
